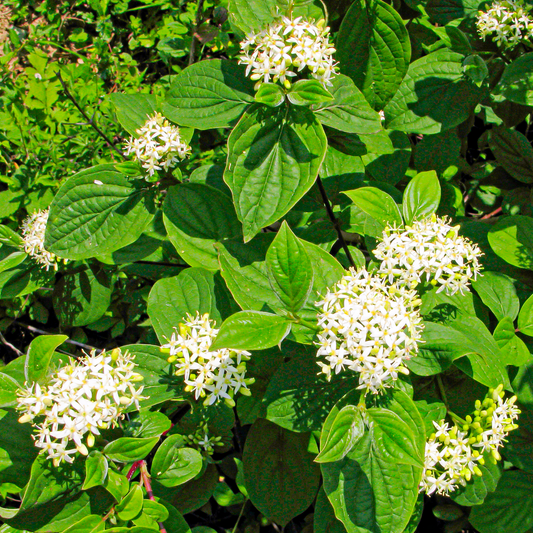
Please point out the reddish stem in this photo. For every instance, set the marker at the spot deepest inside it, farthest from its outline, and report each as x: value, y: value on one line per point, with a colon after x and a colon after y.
x: 134, y: 467
x: 492, y: 214
x: 145, y: 477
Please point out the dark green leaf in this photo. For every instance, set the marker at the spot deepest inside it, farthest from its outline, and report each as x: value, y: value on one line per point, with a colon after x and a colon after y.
x: 308, y: 92
x: 280, y: 476
x: 512, y: 348
x: 349, y: 111
x: 39, y: 355
x: 513, y: 152
x: 251, y: 330
x: 133, y: 110
x: 525, y: 318
x: 516, y: 83
x: 476, y: 490
x: 290, y: 270
x: 340, y: 434
x: 498, y: 293
x: 96, y: 468
x: 209, y: 94
x: 273, y: 160
x: 197, y: 216
x: 511, y: 238
x: 97, y: 211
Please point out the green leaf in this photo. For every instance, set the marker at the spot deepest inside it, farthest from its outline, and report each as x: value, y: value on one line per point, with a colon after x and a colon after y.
x: 97, y: 211
x: 297, y: 397
x: 513, y: 152
x: 129, y: 449
x: 225, y: 497
x: 248, y: 15
x: 348, y: 111
x: 376, y: 204
x: 498, y: 293
x: 516, y: 83
x: 209, y: 94
x: 251, y: 330
x: 421, y: 196
x: 96, y: 469
x: 289, y: 268
x: 513, y: 349
x: 8, y: 390
x: 39, y: 355
x: 444, y: 11
x: 116, y: 484
x: 324, y: 520
x: 193, y: 290
x: 148, y: 424
x: 88, y: 524
x: 434, y: 95
x: 525, y: 318
x: 476, y: 490
x: 133, y: 110
x: 10, y: 238
x: 342, y: 429
x: 280, y: 476
x: 511, y: 238
x: 373, y: 49
x: 173, y: 464
x: 131, y: 505
x: 270, y: 94
x: 369, y: 493
x: 508, y: 508
x: 308, y: 92
x: 273, y: 160
x: 196, y: 216
x: 82, y: 297
x: 393, y: 438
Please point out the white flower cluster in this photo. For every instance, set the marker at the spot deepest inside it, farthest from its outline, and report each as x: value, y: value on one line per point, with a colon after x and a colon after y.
x: 33, y: 231
x: 285, y: 48
x: 83, y: 397
x: 508, y: 22
x: 429, y: 250
x: 453, y: 454
x: 369, y: 327
x: 158, y: 145
x: 215, y: 375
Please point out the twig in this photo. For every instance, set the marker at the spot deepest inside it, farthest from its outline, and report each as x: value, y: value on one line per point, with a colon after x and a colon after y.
x: 492, y: 213
x: 2, y: 338
x: 334, y: 220
x: 192, y: 51
x: 90, y: 121
x: 239, y: 517
x: 68, y: 341
x: 145, y: 477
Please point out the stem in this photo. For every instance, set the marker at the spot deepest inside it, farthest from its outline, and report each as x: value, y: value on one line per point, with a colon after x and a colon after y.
x: 492, y: 213
x: 192, y: 51
x: 145, y: 477
x: 306, y: 323
x: 90, y: 121
x: 334, y: 220
x: 9, y: 345
x: 442, y: 392
x: 239, y: 517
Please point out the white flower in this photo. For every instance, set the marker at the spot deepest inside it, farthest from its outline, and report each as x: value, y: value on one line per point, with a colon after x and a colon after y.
x: 368, y: 327
x: 507, y: 21
x: 33, y: 232
x: 158, y: 145
x: 429, y: 250
x: 81, y: 398
x: 284, y: 48
x: 453, y: 454
x: 213, y: 375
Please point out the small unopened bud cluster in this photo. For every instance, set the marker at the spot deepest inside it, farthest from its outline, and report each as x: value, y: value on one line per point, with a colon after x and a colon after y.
x: 201, y: 439
x: 369, y: 327
x: 158, y: 145
x: 80, y: 399
x: 213, y: 375
x: 454, y: 453
x: 33, y: 232
x: 429, y: 250
x: 508, y: 22
x: 285, y: 48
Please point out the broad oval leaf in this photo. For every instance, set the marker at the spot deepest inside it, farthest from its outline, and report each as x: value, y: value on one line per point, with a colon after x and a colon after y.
x: 498, y: 293
x: 511, y: 238
x: 39, y: 355
x: 129, y: 449
x: 290, y: 270
x: 393, y: 438
x: 133, y: 109
x: 516, y: 83
x: 421, y: 196
x: 96, y: 468
x: 475, y: 491
x: 513, y: 349
x: 270, y: 94
x: 251, y: 330
x: 374, y: 50
x: 280, y: 476
x: 197, y: 216
x: 434, y: 95
x: 307, y: 92
x: 377, y: 204
x: 525, y: 318
x: 348, y: 111
x: 273, y: 159
x: 209, y: 94
x: 98, y: 211
x: 513, y: 152
x: 131, y: 505
x: 340, y: 435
